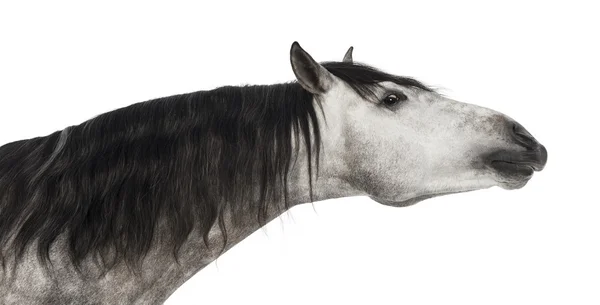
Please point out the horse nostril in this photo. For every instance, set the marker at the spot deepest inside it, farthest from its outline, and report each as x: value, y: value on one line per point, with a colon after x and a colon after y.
x: 523, y: 136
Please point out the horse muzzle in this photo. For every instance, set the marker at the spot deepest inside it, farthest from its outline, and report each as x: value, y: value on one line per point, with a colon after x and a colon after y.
x: 522, y: 163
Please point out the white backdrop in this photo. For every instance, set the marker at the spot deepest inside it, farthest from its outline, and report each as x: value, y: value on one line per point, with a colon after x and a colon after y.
x: 63, y: 63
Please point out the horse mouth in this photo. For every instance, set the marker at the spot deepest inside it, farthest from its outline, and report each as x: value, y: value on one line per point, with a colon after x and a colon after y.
x: 512, y: 168
x: 516, y: 168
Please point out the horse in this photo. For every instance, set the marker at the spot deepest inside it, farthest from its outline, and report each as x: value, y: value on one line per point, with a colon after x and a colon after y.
x: 127, y: 206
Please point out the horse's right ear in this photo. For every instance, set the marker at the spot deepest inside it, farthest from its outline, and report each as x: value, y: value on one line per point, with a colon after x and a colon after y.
x: 348, y: 56
x: 309, y: 73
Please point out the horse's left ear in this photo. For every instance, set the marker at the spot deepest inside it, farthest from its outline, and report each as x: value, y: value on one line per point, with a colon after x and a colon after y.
x: 348, y: 56
x: 310, y: 74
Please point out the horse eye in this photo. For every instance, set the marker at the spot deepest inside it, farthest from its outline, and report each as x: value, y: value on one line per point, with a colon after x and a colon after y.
x: 394, y: 99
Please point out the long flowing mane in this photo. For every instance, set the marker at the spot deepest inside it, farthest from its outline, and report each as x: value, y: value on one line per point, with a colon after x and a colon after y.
x: 189, y: 158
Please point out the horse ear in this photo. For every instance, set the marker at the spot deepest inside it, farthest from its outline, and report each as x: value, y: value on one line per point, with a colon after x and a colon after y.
x: 310, y: 74
x: 348, y: 56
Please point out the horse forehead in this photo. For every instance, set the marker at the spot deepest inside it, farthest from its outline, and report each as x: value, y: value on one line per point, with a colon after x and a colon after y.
x: 341, y: 93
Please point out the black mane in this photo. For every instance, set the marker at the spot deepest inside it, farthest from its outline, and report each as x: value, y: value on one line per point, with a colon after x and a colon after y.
x: 363, y: 79
x: 107, y: 182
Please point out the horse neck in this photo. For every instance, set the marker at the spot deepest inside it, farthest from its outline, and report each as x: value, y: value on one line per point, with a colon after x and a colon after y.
x: 163, y: 275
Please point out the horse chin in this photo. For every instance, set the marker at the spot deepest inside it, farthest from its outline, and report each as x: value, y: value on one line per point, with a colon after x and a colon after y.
x: 412, y: 201
x: 405, y: 203
x: 513, y: 184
